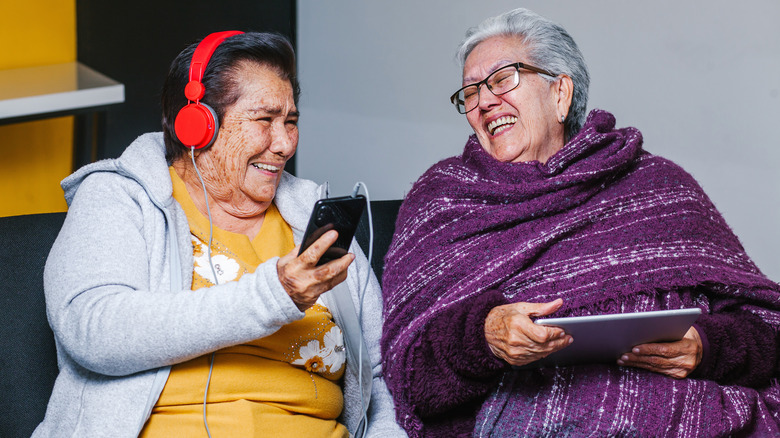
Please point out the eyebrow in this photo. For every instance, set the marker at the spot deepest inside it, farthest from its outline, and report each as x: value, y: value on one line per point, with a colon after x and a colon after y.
x: 273, y: 110
x: 496, y: 65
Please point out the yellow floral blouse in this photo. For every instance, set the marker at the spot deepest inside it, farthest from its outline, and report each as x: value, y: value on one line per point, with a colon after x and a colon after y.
x: 286, y: 384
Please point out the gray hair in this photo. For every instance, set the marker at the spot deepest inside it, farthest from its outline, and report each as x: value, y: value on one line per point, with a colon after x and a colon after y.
x: 549, y: 47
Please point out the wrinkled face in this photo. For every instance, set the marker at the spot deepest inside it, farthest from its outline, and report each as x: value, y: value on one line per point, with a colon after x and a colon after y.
x: 523, y: 124
x: 259, y: 133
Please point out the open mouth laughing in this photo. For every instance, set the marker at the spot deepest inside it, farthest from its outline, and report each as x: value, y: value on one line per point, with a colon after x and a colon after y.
x: 266, y: 167
x: 501, y: 124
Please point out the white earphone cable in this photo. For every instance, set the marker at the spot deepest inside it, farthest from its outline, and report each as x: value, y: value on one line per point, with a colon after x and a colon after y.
x: 216, y: 282
x: 362, y: 293
x: 208, y: 212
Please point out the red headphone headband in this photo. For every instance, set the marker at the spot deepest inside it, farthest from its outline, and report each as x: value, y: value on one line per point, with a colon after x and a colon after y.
x: 196, y: 124
x: 200, y: 59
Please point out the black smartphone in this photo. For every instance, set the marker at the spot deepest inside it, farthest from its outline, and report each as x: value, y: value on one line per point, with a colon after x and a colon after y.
x: 341, y: 214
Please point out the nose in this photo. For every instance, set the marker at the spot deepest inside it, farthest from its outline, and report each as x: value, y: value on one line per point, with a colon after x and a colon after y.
x: 283, y: 140
x: 487, y: 99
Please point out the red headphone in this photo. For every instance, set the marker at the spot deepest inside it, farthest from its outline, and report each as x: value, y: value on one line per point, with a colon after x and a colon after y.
x: 196, y: 124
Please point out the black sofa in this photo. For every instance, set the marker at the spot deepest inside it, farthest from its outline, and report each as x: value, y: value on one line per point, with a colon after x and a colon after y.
x: 28, y: 363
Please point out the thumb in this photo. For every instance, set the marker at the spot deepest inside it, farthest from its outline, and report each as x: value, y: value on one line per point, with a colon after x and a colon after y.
x: 544, y: 309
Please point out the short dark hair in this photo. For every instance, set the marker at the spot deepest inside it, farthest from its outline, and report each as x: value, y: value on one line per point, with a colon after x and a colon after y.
x: 267, y: 49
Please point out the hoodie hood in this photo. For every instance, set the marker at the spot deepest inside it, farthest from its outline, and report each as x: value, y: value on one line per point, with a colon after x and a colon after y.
x: 143, y: 161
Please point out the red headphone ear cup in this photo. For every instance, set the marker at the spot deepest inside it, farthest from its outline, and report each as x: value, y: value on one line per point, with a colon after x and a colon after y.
x: 196, y: 125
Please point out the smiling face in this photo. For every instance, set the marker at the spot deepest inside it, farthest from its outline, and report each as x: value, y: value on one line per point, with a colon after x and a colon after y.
x: 258, y: 134
x: 525, y: 123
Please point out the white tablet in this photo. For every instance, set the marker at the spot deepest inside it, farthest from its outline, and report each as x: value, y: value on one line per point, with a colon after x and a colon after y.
x: 604, y: 338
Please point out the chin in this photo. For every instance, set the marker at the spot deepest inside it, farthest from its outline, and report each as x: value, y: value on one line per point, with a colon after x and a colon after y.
x: 505, y: 156
x: 264, y: 197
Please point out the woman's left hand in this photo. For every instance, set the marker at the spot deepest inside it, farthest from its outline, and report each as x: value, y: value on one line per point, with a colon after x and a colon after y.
x: 675, y: 359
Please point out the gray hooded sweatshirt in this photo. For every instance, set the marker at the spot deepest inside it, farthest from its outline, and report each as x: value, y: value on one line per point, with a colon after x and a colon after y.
x: 118, y: 298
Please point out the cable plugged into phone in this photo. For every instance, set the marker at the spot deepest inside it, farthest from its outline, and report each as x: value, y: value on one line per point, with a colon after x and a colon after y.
x: 355, y: 191
x: 343, y: 214
x: 362, y: 291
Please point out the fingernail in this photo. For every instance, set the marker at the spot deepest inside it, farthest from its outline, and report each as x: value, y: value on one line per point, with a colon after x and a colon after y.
x: 635, y: 350
x: 623, y: 357
x: 620, y: 362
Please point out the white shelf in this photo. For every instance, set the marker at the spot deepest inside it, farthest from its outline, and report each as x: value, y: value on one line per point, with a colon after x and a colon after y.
x: 55, y: 88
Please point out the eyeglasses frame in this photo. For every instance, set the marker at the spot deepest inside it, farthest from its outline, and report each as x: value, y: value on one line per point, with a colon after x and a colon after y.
x: 516, y: 65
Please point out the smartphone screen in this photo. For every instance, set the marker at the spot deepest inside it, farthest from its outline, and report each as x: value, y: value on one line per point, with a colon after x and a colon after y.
x: 341, y: 214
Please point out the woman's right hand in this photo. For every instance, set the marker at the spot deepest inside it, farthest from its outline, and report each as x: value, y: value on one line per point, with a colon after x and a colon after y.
x: 303, y: 280
x: 515, y: 338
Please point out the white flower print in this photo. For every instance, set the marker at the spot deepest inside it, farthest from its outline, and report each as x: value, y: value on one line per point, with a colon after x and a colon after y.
x: 311, y: 357
x: 225, y: 267
x: 334, y: 353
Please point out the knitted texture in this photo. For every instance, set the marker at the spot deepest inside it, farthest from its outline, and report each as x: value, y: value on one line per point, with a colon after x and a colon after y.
x: 605, y: 226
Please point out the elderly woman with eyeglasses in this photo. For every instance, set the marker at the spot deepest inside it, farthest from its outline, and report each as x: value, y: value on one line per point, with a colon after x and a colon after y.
x: 552, y: 211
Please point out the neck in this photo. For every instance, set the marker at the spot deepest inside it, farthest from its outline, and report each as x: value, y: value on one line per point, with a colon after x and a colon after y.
x: 223, y: 214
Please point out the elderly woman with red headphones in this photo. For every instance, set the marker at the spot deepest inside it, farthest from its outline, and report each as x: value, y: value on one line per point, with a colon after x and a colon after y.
x: 175, y: 290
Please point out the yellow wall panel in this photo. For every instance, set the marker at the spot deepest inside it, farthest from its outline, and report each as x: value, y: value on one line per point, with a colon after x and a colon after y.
x: 35, y: 155
x: 37, y: 32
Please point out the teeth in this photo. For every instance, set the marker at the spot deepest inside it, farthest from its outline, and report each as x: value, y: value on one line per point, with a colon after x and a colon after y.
x: 267, y: 167
x: 496, y: 124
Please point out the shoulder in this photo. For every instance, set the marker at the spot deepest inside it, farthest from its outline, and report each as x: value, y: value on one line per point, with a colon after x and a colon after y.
x: 293, y: 186
x: 441, y: 176
x: 448, y: 168
x: 110, y: 200
x: 660, y: 171
x: 294, y: 198
x: 126, y: 188
x: 101, y: 188
x: 142, y: 165
x: 655, y: 182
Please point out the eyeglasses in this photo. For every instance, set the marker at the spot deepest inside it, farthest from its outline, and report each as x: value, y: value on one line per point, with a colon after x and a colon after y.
x: 501, y: 81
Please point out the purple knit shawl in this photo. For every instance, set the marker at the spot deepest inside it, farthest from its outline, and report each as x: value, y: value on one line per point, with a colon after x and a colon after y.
x: 604, y: 225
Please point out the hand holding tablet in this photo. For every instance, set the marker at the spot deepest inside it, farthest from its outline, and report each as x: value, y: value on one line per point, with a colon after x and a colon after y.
x: 605, y: 338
